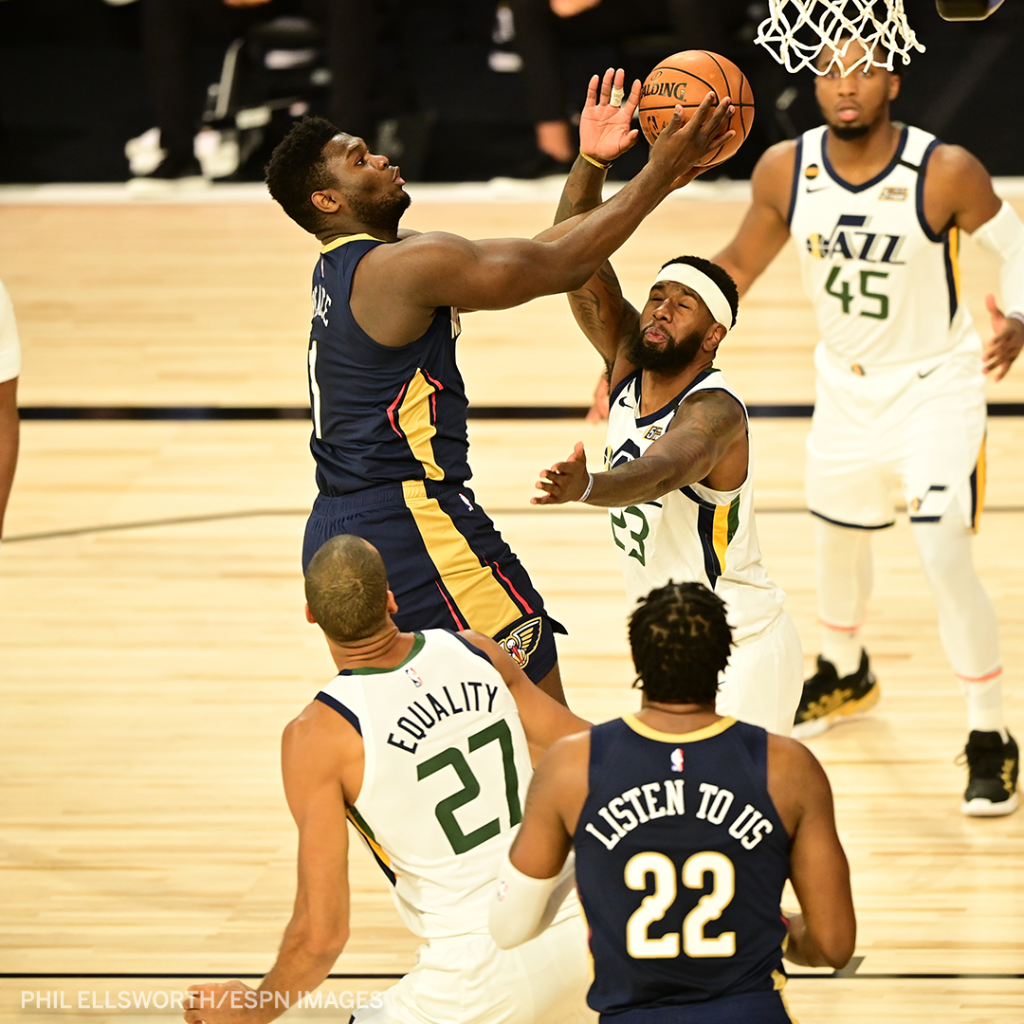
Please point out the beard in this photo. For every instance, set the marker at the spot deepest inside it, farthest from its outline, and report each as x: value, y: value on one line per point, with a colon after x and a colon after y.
x: 672, y: 358
x: 849, y: 132
x: 381, y: 214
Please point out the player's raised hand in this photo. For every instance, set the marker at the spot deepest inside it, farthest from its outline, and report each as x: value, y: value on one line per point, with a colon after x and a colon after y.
x: 680, y: 147
x: 564, y: 481
x: 607, y: 117
x: 1007, y: 342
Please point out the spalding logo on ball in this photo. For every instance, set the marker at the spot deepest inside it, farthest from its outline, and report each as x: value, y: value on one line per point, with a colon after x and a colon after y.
x: 684, y: 79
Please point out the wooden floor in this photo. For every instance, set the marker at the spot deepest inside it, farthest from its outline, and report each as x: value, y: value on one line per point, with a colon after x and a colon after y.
x: 152, y: 643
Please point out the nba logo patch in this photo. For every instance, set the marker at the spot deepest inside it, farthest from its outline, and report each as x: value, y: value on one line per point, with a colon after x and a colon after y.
x: 412, y: 674
x: 522, y: 641
x: 677, y: 759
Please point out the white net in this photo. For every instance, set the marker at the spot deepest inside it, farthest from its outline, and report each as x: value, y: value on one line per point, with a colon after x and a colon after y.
x: 797, y: 31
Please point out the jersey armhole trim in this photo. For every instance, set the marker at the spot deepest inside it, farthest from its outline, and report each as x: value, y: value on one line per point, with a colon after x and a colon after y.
x: 919, y: 195
x: 794, y: 187
x: 346, y: 712
x: 472, y: 648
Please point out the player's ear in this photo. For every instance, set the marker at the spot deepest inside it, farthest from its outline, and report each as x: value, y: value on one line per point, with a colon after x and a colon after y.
x: 895, y: 81
x: 714, y: 337
x: 326, y: 201
x: 309, y: 616
x: 392, y: 605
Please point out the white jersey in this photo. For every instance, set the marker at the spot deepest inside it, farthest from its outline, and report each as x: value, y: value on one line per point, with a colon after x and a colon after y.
x: 885, y: 287
x: 447, y: 767
x: 10, y: 350
x: 693, y: 534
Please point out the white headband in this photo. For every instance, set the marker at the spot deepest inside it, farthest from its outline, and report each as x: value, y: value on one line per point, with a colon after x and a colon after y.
x: 684, y: 273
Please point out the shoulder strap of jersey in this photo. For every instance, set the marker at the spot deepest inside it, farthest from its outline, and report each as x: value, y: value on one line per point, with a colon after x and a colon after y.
x: 809, y: 164
x: 918, y: 147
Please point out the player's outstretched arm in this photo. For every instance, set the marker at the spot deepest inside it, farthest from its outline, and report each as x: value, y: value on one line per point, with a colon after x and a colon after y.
x: 318, y: 930
x: 825, y: 931
x: 535, y: 878
x: 765, y: 226
x: 544, y: 719
x: 438, y: 269
x: 706, y: 426
x: 958, y: 189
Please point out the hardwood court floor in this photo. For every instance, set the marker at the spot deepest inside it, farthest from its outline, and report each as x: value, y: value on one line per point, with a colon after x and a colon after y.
x: 146, y: 670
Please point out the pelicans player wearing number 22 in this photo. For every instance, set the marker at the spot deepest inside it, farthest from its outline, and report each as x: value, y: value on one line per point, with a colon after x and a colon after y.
x: 876, y: 209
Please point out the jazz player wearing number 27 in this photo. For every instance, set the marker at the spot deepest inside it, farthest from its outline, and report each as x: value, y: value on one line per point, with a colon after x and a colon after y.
x: 876, y: 209
x: 423, y: 743
x: 686, y: 826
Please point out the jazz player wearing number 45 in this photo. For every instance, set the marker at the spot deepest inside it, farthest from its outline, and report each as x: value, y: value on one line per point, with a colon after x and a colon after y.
x: 876, y: 210
x: 685, y: 827
x: 423, y: 743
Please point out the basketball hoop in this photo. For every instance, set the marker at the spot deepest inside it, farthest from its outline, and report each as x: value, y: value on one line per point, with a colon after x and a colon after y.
x: 835, y: 24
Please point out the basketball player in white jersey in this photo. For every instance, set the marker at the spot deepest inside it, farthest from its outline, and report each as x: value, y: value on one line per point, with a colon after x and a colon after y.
x: 876, y: 209
x: 677, y: 477
x: 422, y: 742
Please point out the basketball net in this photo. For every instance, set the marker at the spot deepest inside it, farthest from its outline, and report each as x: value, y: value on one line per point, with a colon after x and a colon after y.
x: 835, y: 24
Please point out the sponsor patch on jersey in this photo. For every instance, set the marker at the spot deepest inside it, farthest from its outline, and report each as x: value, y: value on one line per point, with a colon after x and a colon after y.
x: 892, y: 194
x: 811, y: 171
x: 523, y: 641
x: 653, y: 433
x: 677, y: 759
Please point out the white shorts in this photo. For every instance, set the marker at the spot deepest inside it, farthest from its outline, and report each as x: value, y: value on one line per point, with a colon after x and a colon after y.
x: 764, y: 679
x: 919, y: 426
x: 469, y: 980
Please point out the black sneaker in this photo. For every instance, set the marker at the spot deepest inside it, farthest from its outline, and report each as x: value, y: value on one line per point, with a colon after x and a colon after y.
x: 827, y: 698
x: 992, y: 767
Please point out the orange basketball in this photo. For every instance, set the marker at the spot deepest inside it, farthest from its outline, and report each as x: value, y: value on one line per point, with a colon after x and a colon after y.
x: 684, y: 79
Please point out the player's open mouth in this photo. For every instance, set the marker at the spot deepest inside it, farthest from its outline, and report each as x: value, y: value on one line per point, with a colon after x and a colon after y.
x: 848, y: 113
x: 398, y: 179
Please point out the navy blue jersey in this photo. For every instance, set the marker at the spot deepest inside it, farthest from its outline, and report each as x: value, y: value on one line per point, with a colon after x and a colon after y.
x: 680, y: 862
x: 380, y: 415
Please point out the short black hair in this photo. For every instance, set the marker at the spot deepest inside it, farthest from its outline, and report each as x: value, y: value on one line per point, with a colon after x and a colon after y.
x: 717, y: 274
x: 347, y: 589
x: 297, y: 169
x: 680, y: 639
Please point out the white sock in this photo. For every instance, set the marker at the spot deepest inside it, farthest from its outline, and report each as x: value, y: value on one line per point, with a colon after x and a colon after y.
x: 985, y: 705
x: 844, y: 584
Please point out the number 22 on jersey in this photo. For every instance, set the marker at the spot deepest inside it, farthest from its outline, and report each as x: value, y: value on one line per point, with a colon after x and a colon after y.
x: 653, y: 908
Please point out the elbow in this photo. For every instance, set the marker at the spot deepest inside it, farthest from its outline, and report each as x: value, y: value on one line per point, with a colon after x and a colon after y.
x: 838, y: 952
x: 324, y: 947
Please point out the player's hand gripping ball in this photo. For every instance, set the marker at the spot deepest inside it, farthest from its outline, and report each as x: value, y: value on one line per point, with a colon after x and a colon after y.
x: 684, y: 79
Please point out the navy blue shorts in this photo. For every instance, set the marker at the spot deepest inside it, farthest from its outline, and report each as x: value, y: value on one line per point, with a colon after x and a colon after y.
x: 747, y: 1007
x: 448, y: 566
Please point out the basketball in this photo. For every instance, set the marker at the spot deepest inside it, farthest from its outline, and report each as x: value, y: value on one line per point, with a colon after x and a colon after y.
x: 684, y: 79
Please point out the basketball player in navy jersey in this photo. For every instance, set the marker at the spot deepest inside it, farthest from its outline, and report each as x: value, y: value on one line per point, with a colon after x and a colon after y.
x: 388, y: 402
x: 876, y: 209
x: 423, y: 741
x: 685, y: 827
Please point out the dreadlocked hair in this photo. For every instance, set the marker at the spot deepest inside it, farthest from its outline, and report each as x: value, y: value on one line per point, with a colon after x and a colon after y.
x: 297, y: 169
x: 680, y: 641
